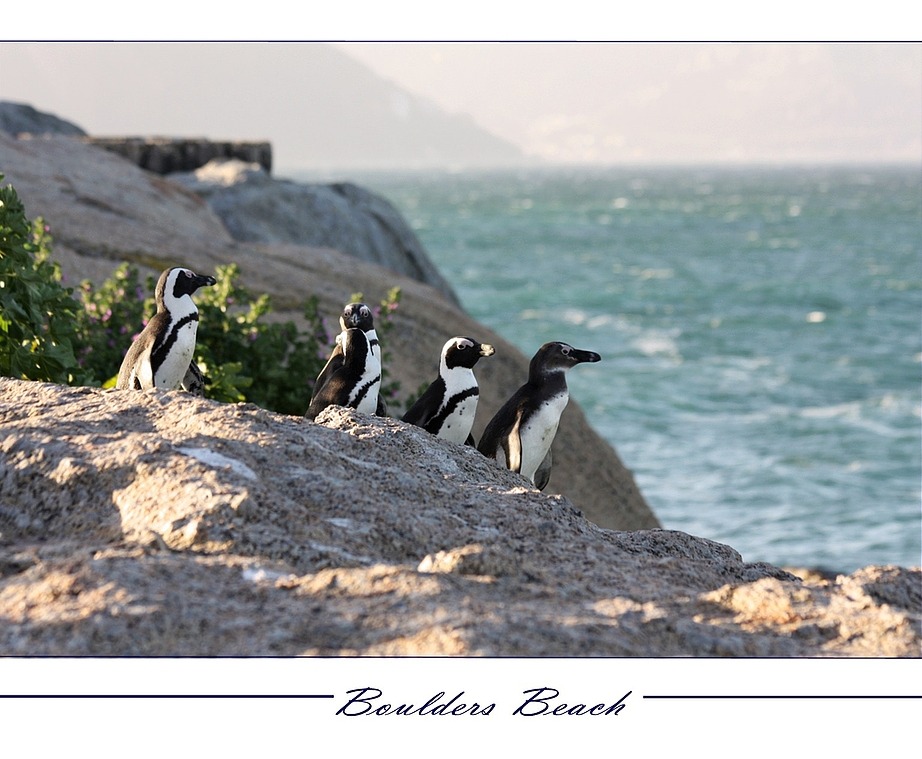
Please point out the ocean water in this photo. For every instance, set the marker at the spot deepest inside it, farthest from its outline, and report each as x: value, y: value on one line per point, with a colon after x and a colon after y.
x: 761, y: 335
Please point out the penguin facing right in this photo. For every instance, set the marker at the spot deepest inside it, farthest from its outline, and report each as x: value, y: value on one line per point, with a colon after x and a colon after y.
x: 519, y: 436
x: 447, y: 408
x: 354, y: 316
x: 161, y: 356
x: 354, y: 382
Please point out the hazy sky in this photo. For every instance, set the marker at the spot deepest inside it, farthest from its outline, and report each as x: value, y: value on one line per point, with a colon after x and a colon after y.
x: 593, y: 103
x: 675, y: 101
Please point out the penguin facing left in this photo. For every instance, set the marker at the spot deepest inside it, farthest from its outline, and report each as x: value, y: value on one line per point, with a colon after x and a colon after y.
x: 354, y: 316
x: 161, y: 356
x: 354, y: 382
x: 447, y: 407
x: 519, y: 436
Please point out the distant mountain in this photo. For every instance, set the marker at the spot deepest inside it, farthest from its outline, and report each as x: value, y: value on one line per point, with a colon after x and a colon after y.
x: 676, y: 102
x: 320, y: 108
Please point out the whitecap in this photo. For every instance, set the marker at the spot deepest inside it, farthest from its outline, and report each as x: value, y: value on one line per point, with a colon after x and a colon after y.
x: 574, y: 316
x: 657, y: 344
x: 850, y: 410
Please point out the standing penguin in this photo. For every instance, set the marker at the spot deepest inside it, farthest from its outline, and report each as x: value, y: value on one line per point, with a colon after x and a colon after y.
x: 448, y: 406
x: 354, y: 382
x: 354, y: 316
x: 194, y: 381
x: 520, y: 435
x: 161, y: 356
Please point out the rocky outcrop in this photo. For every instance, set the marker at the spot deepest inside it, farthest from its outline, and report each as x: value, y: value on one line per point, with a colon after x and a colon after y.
x: 157, y: 523
x: 164, y: 155
x: 21, y: 118
x: 103, y: 210
x: 344, y: 216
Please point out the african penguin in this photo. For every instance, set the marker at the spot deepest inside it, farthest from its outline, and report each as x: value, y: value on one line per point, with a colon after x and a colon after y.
x: 161, y: 356
x: 355, y: 381
x: 354, y: 316
x: 519, y: 436
x: 194, y: 381
x: 447, y: 407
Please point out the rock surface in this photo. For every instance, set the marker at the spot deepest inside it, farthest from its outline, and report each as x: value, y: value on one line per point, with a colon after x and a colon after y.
x: 343, y: 216
x: 164, y: 155
x: 157, y: 523
x: 103, y: 210
x: 21, y: 118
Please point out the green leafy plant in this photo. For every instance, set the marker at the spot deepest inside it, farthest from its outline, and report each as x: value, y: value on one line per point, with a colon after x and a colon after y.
x: 37, y: 313
x: 110, y: 317
x: 245, y: 354
x: 247, y: 357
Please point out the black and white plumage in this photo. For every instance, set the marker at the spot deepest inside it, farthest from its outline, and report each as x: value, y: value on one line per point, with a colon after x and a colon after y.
x: 354, y: 316
x: 354, y: 382
x: 161, y: 356
x: 194, y: 381
x: 447, y: 407
x: 519, y: 436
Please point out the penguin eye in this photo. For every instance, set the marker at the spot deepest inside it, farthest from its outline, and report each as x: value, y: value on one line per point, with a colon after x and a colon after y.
x: 187, y: 273
x: 462, y: 346
x: 565, y: 350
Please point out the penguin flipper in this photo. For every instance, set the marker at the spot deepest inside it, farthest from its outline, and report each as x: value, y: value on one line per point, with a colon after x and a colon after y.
x: 543, y: 473
x: 334, y: 362
x: 512, y: 444
x: 194, y: 381
x: 416, y: 414
x: 125, y: 370
x: 318, y: 403
x: 135, y: 372
x: 495, y: 440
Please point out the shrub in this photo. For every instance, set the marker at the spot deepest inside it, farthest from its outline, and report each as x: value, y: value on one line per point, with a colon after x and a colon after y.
x: 37, y: 313
x: 244, y: 356
x: 110, y: 317
x: 47, y: 334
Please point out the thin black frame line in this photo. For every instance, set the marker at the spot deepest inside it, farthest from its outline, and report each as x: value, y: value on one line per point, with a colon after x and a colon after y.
x: 781, y: 696
x: 164, y: 695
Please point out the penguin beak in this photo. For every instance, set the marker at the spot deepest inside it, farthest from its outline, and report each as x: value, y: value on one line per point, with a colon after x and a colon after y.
x: 584, y: 357
x: 203, y: 280
x: 486, y: 350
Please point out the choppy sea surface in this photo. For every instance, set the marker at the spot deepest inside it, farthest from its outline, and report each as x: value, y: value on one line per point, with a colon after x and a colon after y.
x: 760, y: 328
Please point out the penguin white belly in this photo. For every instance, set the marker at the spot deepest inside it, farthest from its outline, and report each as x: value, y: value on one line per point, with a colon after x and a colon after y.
x: 366, y: 390
x: 175, y: 364
x: 537, y: 434
x: 457, y: 426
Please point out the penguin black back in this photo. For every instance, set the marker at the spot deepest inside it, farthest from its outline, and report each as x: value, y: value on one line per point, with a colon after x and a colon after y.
x: 354, y: 382
x: 447, y: 407
x: 162, y: 354
x: 354, y: 316
x: 520, y: 434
